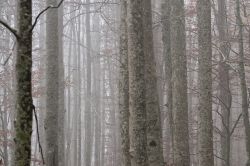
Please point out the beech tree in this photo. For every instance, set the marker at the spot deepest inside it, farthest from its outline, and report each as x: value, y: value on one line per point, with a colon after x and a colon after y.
x: 179, y: 84
x: 137, y: 86
x: 205, y: 83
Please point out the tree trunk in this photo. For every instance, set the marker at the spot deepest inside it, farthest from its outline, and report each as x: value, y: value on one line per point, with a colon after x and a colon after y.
x: 154, y: 130
x: 224, y: 81
x: 179, y: 86
x: 137, y: 86
x: 244, y: 96
x: 24, y: 103
x: 52, y: 85
x: 168, y: 71
x: 61, y: 113
x: 124, y: 87
x: 205, y: 83
x: 88, y: 107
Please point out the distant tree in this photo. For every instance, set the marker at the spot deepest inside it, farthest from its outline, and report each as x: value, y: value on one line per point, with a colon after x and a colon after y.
x: 242, y: 75
x: 88, y: 107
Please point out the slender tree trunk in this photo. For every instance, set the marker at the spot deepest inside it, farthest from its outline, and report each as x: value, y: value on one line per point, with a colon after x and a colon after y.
x: 88, y: 107
x: 24, y: 103
x: 52, y: 85
x: 97, y: 83
x: 168, y: 71
x: 205, y: 83
x: 137, y: 86
x: 61, y: 113
x: 244, y: 96
x: 154, y: 130
x: 224, y: 82
x: 179, y: 86
x: 124, y: 87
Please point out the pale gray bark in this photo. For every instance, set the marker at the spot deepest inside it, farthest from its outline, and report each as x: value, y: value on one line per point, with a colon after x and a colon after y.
x: 179, y: 86
x: 168, y: 73
x: 225, y: 97
x: 154, y: 130
x: 205, y: 83
x: 88, y: 107
x: 97, y: 89
x: 61, y: 102
x: 52, y: 85
x: 242, y: 75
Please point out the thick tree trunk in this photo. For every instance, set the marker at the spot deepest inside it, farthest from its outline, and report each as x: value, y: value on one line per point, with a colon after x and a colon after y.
x: 179, y: 86
x: 244, y: 96
x: 124, y: 87
x: 205, y: 83
x: 24, y: 103
x: 137, y: 86
x: 154, y: 130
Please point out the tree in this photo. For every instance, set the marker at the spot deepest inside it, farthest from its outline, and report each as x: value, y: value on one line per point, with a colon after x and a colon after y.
x: 179, y: 84
x: 137, y: 86
x: 52, y: 85
x: 88, y: 107
x: 24, y: 102
x: 154, y: 130
x: 205, y: 83
x: 244, y: 96
x: 124, y: 87
x: 166, y: 32
x: 225, y: 97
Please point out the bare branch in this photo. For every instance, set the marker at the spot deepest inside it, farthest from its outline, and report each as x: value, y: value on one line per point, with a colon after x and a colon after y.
x: 43, y: 11
x: 7, y: 26
x: 235, y: 124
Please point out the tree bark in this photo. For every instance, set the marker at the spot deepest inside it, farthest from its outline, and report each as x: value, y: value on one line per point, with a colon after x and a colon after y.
x: 137, y: 86
x: 124, y: 87
x: 88, y: 107
x: 244, y: 96
x: 205, y: 83
x: 24, y: 103
x: 179, y: 86
x: 52, y: 85
x: 154, y: 130
x: 225, y: 96
x: 168, y: 72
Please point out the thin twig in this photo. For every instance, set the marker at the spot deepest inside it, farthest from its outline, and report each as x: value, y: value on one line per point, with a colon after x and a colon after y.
x: 235, y: 125
x: 44, y: 10
x: 38, y: 136
x: 12, y: 30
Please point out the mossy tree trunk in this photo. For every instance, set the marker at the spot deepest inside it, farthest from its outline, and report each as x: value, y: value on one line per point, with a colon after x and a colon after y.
x: 24, y: 103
